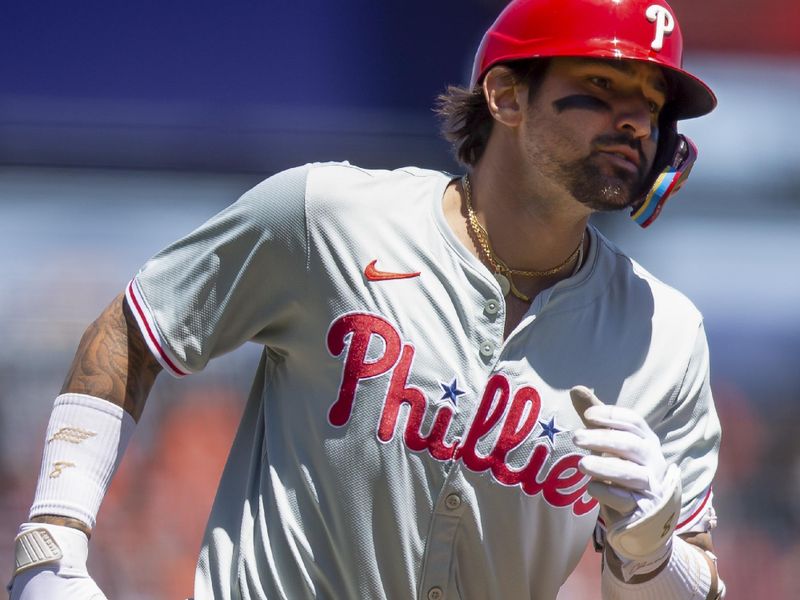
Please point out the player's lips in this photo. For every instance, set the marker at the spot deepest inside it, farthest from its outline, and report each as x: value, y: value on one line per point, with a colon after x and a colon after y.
x: 624, y: 156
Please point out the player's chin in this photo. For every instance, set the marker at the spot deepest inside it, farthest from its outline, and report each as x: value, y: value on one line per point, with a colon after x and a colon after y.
x: 617, y: 177
x: 610, y: 203
x: 602, y: 186
x: 614, y: 193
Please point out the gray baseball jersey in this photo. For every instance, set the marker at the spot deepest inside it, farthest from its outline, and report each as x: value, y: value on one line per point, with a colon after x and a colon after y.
x: 394, y: 445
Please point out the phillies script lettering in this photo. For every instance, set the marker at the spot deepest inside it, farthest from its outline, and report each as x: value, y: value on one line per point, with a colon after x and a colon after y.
x: 557, y: 486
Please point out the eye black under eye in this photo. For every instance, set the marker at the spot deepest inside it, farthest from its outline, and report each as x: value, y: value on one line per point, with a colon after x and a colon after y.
x: 580, y: 101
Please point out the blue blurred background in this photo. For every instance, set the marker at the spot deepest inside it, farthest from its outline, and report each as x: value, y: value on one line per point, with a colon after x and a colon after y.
x: 125, y: 125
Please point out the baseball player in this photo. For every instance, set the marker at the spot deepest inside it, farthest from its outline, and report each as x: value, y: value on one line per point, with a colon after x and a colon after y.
x: 462, y: 381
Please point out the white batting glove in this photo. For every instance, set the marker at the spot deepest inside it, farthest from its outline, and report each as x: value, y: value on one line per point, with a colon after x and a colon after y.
x: 51, y: 565
x: 639, y: 493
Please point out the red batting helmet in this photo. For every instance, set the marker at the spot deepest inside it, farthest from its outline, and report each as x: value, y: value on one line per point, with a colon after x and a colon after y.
x: 642, y: 30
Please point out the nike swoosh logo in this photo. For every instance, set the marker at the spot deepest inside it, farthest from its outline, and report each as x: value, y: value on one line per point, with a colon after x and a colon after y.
x: 373, y: 274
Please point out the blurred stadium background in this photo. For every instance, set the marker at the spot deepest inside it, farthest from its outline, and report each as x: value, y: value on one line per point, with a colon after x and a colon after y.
x: 125, y: 125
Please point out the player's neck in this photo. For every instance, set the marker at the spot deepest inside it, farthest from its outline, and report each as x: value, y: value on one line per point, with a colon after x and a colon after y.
x: 527, y: 231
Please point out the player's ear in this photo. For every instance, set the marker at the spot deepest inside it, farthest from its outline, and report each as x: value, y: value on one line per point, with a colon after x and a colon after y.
x: 503, y: 93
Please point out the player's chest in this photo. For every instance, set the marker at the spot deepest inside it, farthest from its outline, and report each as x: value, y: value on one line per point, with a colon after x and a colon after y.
x: 483, y: 406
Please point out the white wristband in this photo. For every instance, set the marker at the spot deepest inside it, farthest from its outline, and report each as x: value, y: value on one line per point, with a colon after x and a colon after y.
x: 686, y: 576
x: 84, y: 444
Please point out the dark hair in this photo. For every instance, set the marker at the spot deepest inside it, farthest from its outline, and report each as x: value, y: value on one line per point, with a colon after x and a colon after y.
x: 466, y: 120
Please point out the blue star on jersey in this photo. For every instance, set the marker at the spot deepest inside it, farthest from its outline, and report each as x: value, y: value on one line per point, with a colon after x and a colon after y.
x: 451, y: 392
x: 549, y: 429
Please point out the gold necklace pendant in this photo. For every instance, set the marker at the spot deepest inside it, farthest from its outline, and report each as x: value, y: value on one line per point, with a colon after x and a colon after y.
x: 505, y: 283
x: 507, y: 286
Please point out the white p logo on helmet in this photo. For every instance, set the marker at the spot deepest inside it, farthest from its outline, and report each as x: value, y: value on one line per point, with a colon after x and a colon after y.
x: 664, y: 21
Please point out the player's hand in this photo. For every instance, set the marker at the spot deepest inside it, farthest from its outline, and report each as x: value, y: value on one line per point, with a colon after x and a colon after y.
x: 639, y: 493
x: 58, y: 555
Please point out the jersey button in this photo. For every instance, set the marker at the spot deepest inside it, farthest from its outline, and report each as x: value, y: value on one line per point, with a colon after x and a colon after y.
x: 491, y: 307
x: 453, y: 501
x: 487, y: 349
x: 435, y: 593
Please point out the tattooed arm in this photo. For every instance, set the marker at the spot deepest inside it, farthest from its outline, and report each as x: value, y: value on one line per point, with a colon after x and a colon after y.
x: 112, y: 363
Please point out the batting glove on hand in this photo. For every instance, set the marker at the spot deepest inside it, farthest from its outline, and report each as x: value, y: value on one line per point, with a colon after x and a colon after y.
x: 639, y: 493
x: 51, y: 563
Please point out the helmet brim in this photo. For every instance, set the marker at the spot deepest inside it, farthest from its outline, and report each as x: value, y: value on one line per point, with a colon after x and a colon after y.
x: 690, y: 96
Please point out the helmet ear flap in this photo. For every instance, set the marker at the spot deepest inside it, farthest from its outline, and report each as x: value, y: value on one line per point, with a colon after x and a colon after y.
x: 674, y: 159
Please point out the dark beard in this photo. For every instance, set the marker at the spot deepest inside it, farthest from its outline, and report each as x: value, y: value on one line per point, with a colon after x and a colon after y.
x: 589, y: 185
x: 599, y: 191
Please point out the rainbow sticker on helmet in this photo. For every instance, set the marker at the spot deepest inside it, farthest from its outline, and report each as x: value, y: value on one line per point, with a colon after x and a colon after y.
x: 669, y: 181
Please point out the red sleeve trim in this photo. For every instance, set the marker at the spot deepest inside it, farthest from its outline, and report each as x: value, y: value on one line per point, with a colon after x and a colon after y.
x: 144, y: 319
x: 691, y: 518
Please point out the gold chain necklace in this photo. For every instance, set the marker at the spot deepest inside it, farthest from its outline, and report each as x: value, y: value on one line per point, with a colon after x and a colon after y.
x: 502, y: 272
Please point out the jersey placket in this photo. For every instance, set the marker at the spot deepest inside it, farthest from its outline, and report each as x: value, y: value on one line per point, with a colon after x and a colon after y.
x: 456, y: 493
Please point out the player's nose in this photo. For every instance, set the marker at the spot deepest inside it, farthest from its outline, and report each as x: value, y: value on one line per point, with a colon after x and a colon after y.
x: 633, y: 115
